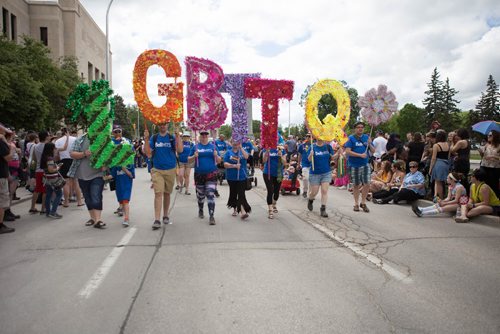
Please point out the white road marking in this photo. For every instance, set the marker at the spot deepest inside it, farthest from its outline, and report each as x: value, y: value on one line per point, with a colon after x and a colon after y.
x: 106, y: 266
x: 370, y: 257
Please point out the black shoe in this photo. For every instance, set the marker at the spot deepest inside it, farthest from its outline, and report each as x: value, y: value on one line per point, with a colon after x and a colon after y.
x: 217, y: 194
x: 416, y: 210
x: 200, y: 214
x: 156, y: 224
x: 10, y: 213
x: 322, y: 212
x: 310, y: 204
x: 9, y: 218
x: 166, y: 221
x: 211, y: 221
x: 5, y: 229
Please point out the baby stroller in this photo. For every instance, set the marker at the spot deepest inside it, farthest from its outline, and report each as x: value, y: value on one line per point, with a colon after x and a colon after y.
x: 290, y: 183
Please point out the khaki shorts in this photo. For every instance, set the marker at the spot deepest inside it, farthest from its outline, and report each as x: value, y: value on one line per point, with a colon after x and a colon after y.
x: 163, y: 180
x: 4, y: 193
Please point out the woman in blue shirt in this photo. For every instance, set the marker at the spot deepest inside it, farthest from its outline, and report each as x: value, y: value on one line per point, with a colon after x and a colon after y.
x: 274, y: 161
x: 235, y: 162
x: 205, y: 157
x: 320, y: 173
x: 184, y: 169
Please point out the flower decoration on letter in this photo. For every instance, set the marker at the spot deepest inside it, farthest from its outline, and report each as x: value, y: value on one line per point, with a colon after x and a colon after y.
x: 212, y: 113
x: 270, y: 91
x: 377, y: 106
x: 172, y: 110
x: 89, y: 106
x: 331, y: 127
x: 234, y: 84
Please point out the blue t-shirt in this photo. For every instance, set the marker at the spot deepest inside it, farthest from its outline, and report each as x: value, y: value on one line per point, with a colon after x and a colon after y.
x: 247, y: 146
x: 357, y: 145
x: 304, y: 153
x: 183, y: 157
x: 206, y: 161
x: 232, y: 173
x: 164, y: 151
x: 273, y: 159
x: 221, y: 145
x: 322, y: 156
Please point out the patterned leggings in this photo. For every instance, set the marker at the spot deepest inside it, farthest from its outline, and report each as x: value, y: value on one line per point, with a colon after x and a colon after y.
x: 206, y: 190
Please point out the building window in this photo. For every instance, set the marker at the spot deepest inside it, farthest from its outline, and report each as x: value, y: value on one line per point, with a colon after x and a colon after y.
x: 103, y: 77
x: 5, y: 20
x: 44, y: 35
x: 90, y: 73
x: 13, y: 27
x: 97, y: 74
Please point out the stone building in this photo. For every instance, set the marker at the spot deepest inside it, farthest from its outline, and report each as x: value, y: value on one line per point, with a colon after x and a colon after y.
x: 62, y: 25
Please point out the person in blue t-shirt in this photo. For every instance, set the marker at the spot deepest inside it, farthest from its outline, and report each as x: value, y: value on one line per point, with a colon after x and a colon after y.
x: 235, y: 162
x: 356, y: 149
x: 248, y: 147
x: 205, y: 156
x: 161, y: 149
x: 274, y: 161
x: 184, y: 169
x: 305, y: 163
x: 320, y: 155
x: 123, y: 176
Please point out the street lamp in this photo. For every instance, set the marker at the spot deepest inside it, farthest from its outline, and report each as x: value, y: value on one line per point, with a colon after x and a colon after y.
x: 107, y: 44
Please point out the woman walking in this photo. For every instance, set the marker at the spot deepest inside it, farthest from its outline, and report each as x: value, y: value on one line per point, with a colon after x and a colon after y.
x: 274, y: 161
x: 320, y: 174
x: 206, y: 157
x: 235, y: 162
x: 185, y: 166
x: 439, y: 167
x: 51, y: 174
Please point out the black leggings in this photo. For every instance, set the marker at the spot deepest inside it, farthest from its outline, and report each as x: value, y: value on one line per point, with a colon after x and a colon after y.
x: 273, y: 188
x: 402, y: 195
x: 237, y: 198
x: 385, y: 193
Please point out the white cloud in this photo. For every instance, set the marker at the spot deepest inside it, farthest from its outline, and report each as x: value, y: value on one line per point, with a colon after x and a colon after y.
x: 397, y: 43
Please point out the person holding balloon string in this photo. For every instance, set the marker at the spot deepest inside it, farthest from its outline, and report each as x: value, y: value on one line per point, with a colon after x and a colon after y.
x: 274, y: 160
x: 356, y: 149
x: 207, y: 157
x: 235, y: 162
x: 320, y: 175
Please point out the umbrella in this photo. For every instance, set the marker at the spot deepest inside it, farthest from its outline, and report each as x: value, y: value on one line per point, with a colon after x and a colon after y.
x: 485, y: 127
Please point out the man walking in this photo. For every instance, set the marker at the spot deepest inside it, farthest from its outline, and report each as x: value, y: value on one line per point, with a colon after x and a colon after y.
x: 356, y: 149
x: 161, y: 148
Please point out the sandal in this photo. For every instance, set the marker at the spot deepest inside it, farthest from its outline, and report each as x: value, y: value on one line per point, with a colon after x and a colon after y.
x: 187, y: 193
x: 365, y: 208
x: 245, y: 216
x: 90, y: 222
x: 100, y: 225
x: 33, y: 211
x: 234, y: 214
x: 275, y: 210
x: 270, y: 215
x: 356, y: 208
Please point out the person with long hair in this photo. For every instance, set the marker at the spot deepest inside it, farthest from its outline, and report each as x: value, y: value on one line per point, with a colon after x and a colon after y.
x: 274, y: 161
x: 184, y: 170
x: 51, y: 170
x: 398, y: 174
x: 415, y: 148
x: 461, y: 154
x: 320, y: 175
x: 206, y: 158
x: 235, y: 162
x: 411, y: 189
x: 381, y: 178
x: 490, y: 162
x: 450, y: 203
x: 482, y: 200
x: 439, y: 167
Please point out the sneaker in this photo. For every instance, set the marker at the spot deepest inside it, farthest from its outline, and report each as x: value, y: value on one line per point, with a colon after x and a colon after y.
x: 416, y: 210
x: 304, y: 194
x: 10, y: 213
x: 5, y: 229
x: 156, y: 224
x: 9, y: 218
x: 211, y: 221
x: 167, y: 221
x: 55, y: 215
x: 119, y: 211
x: 322, y: 212
x: 200, y: 214
x: 342, y: 188
x: 125, y: 223
x: 310, y: 204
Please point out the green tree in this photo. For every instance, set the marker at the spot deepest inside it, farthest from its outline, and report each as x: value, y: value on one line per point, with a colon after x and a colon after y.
x: 226, y: 130
x: 410, y: 119
x: 452, y: 119
x: 433, y: 101
x: 256, y: 128
x: 123, y: 118
x: 488, y: 106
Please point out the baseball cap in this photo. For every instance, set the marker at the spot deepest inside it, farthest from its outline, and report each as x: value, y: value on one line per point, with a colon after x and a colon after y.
x: 204, y: 132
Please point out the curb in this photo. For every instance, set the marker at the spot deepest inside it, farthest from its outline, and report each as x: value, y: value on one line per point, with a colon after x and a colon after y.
x: 489, y: 220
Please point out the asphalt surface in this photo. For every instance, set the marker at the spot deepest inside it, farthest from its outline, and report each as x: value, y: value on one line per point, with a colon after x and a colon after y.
x: 354, y: 272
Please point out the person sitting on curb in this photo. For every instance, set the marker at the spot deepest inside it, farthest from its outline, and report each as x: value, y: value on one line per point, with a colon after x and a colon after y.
x: 398, y: 174
x: 450, y: 203
x: 412, y: 188
x: 483, y: 200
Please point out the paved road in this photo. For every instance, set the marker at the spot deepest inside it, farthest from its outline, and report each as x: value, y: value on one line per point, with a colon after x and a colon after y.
x: 387, y: 271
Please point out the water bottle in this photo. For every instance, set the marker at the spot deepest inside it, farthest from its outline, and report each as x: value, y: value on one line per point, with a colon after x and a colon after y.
x: 459, y: 212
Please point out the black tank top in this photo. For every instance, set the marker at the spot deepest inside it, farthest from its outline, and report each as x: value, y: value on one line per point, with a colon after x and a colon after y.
x: 442, y: 154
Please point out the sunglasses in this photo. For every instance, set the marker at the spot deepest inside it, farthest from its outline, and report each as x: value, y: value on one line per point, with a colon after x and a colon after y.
x: 117, y: 131
x: 413, y: 166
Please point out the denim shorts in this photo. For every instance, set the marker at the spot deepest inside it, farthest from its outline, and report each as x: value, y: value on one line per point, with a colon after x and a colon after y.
x: 317, y: 179
x: 360, y: 175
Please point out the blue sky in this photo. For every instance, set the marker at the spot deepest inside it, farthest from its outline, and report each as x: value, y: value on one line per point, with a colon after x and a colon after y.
x: 366, y: 43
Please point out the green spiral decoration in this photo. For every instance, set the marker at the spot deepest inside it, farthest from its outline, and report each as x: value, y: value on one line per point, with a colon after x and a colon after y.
x: 89, y: 107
